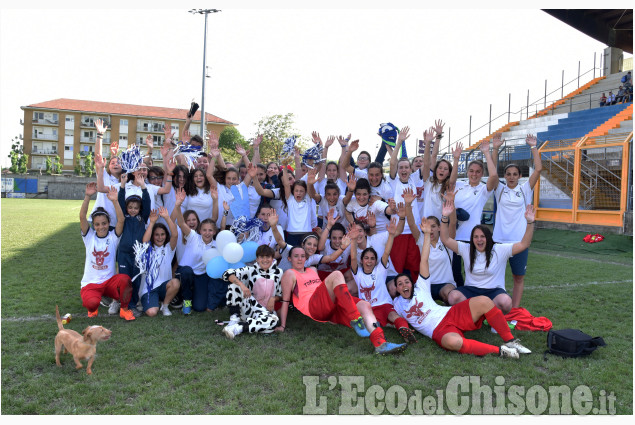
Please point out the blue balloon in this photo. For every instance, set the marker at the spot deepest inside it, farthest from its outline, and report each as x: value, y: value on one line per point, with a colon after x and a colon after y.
x: 249, y: 251
x: 237, y: 265
x: 216, y: 267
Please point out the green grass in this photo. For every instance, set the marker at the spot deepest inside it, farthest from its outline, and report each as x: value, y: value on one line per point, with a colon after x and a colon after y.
x: 184, y: 365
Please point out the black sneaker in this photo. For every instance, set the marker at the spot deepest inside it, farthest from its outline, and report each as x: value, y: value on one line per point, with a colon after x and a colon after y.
x: 105, y: 302
x: 177, y: 302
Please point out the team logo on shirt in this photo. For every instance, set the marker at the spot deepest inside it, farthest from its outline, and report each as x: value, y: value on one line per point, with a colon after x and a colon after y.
x: 415, y: 311
x: 99, y: 258
x: 367, y: 292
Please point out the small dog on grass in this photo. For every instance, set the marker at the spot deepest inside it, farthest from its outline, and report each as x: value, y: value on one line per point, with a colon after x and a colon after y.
x: 81, y: 347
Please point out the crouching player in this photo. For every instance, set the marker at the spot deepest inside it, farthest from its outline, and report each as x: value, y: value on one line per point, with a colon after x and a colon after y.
x: 252, y: 295
x: 445, y: 325
x: 329, y: 301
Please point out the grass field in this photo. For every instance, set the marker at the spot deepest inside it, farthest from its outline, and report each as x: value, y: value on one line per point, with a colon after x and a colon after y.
x: 184, y: 365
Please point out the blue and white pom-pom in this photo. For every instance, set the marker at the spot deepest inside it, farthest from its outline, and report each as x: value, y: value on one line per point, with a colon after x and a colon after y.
x: 148, y: 260
x: 131, y: 159
x: 288, y: 147
x: 189, y: 152
x: 247, y: 229
x: 315, y: 154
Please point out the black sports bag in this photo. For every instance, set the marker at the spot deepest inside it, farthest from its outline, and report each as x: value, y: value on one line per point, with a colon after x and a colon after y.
x: 571, y: 343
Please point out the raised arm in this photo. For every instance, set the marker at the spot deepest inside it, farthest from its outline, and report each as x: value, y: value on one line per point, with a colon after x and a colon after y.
x: 150, y: 144
x: 153, y: 217
x: 394, y: 156
x: 350, y: 189
x: 530, y: 215
x: 392, y: 232
x: 252, y: 171
x: 428, y: 135
x: 174, y: 234
x: 178, y: 216
x: 273, y: 222
x: 456, y: 155
x: 448, y: 208
x: 533, y: 144
x: 213, y: 191
x: 168, y: 165
x: 424, y: 269
x: 100, y: 164
x: 346, y: 241
x: 345, y: 158
x: 409, y: 197
x: 492, y: 179
x: 329, y: 142
x: 285, y: 181
x: 438, y: 129
x: 112, y: 195
x: 101, y: 130
x: 256, y: 157
x: 91, y: 189
x: 344, y: 166
x: 311, y: 180
x: 353, y: 256
x: 497, y: 142
x: 330, y: 222
x: 299, y: 173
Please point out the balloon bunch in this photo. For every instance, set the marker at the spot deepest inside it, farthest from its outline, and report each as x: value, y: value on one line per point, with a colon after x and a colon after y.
x: 228, y: 254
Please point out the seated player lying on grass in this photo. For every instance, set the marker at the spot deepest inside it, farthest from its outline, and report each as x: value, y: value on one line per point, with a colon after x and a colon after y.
x: 371, y: 282
x: 252, y: 295
x: 445, y: 325
x: 329, y: 301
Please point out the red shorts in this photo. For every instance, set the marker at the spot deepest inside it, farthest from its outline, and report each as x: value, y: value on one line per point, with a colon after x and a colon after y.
x: 458, y: 320
x: 405, y: 255
x: 118, y: 287
x: 381, y: 312
x: 323, y: 309
x: 323, y: 274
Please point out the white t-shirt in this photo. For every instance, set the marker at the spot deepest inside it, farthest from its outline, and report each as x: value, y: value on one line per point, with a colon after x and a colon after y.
x: 254, y: 200
x: 285, y: 264
x: 439, y: 262
x: 180, y: 246
x: 378, y: 208
x: 166, y: 253
x: 511, y: 224
x: 202, y: 203
x: 378, y: 243
x: 267, y: 238
x: 103, y: 201
x: 383, y: 189
x: 193, y: 255
x: 398, y: 188
x: 472, y: 199
x: 492, y: 276
x: 101, y: 257
x: 224, y: 194
x: 421, y: 311
x: 300, y: 214
x: 340, y: 263
x: 372, y: 287
x: 432, y: 201
x: 276, y: 203
x: 131, y: 189
x: 324, y: 208
x: 320, y: 187
x: 361, y: 174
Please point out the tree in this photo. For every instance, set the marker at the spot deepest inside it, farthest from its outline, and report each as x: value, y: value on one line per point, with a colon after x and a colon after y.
x: 275, y: 129
x: 227, y: 141
x: 57, y: 165
x: 89, y: 165
x: 78, y: 165
x: 19, y: 160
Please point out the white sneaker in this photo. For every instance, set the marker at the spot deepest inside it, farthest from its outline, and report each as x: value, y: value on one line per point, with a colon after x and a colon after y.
x: 114, y: 307
x: 233, y: 319
x: 139, y: 306
x: 515, y: 343
x: 231, y: 331
x: 165, y: 310
x: 506, y: 351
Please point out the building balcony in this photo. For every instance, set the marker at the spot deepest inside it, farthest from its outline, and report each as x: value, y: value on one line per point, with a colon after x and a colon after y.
x: 153, y: 128
x: 45, y: 121
x: 45, y: 137
x: 44, y: 152
x: 93, y: 139
x: 91, y: 123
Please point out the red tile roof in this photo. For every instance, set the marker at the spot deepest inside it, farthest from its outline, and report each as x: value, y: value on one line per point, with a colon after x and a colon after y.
x: 123, y: 109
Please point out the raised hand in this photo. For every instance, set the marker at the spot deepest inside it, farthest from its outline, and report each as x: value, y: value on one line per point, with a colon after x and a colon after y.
x: 257, y: 140
x: 408, y: 195
x: 428, y: 135
x: 316, y: 138
x: 252, y: 170
x: 312, y: 176
x: 354, y: 146
x: 225, y: 206
x: 343, y: 141
x: 425, y: 226
x: 114, y: 147
x: 170, y: 162
x: 484, y: 147
x: 163, y: 212
x: 169, y: 134
x: 456, y: 152
x: 149, y: 141
x: 153, y: 216
x: 531, y: 140
x: 449, y: 193
x: 240, y: 150
x: 213, y: 191
x: 212, y: 140
x: 329, y: 141
x: 180, y: 196
x: 100, y: 126
x: 448, y: 208
x: 401, y: 210
x: 392, y: 227
x: 497, y: 142
x: 112, y: 193
x: 392, y: 204
x: 438, y: 127
x: 530, y: 214
x: 330, y: 218
x: 186, y: 137
x: 403, y: 134
x: 91, y: 189
x: 371, y: 219
x: 273, y: 218
x: 139, y: 180
x: 346, y: 241
x: 352, y: 183
x: 99, y: 162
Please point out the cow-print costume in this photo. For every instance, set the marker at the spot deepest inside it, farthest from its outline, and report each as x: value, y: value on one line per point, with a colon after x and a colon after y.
x: 256, y: 317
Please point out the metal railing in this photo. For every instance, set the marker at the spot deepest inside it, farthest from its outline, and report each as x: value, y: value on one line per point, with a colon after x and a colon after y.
x: 151, y: 128
x: 45, y: 136
x: 45, y: 121
x: 93, y: 139
x: 44, y: 152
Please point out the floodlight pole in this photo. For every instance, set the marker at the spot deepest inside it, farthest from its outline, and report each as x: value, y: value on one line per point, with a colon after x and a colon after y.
x: 204, y: 12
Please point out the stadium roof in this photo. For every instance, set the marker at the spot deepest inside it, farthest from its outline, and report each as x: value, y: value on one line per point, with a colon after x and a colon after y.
x: 124, y: 109
x: 613, y: 27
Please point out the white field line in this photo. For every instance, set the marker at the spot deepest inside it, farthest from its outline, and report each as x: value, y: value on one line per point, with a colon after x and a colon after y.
x: 50, y: 317
x: 572, y: 257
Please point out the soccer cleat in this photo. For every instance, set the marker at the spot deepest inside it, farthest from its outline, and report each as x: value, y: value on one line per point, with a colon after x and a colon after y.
x: 390, y: 348
x: 114, y: 307
x: 165, y: 310
x: 125, y: 313
x: 187, y: 307
x: 93, y: 313
x: 408, y: 335
x: 359, y: 327
x: 506, y: 351
x: 105, y: 301
x: 177, y: 302
x: 233, y: 319
x: 515, y: 343
x: 231, y: 331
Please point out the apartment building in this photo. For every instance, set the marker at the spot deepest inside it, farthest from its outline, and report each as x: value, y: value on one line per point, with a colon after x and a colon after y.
x: 65, y: 127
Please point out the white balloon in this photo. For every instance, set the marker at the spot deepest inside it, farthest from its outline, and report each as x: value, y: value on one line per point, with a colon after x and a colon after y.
x: 209, y: 254
x: 233, y: 252
x: 223, y: 238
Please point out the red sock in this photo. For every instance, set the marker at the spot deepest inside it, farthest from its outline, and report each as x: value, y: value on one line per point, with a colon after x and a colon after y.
x: 401, y: 323
x: 377, y: 337
x: 344, y: 300
x: 496, y: 320
x: 477, y: 348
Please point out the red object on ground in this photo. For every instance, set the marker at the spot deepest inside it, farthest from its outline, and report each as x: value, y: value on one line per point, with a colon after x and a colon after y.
x: 527, y: 322
x: 593, y: 238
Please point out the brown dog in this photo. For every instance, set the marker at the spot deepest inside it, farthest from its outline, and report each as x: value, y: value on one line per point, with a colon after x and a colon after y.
x: 81, y: 347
